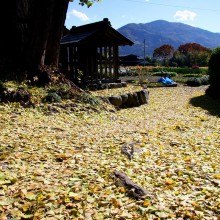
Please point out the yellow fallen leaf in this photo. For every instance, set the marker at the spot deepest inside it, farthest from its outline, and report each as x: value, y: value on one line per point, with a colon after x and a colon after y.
x: 122, y: 190
x: 37, y: 215
x: 30, y: 196
x: 194, y: 203
x: 213, y: 165
x: 217, y: 176
x: 25, y: 207
x: 169, y: 174
x: 96, y: 189
x: 74, y: 196
x: 126, y: 215
x: 101, y: 180
x: 116, y: 203
x: 169, y: 181
x: 146, y: 203
x: 108, y: 192
x: 176, y: 193
x: 187, y: 214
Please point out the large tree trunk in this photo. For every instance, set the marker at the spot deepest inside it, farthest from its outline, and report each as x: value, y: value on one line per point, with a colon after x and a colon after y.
x: 39, y: 27
x: 7, y: 36
x: 55, y: 33
x: 32, y: 31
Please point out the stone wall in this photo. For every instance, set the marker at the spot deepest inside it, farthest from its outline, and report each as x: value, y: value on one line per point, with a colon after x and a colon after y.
x: 134, y: 99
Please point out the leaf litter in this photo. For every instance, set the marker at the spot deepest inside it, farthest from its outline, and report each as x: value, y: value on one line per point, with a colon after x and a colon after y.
x: 61, y: 165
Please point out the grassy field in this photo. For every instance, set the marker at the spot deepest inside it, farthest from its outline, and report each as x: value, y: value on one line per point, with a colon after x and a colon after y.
x: 60, y: 165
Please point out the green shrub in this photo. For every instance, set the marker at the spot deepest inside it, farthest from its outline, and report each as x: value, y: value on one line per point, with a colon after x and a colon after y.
x: 204, y: 80
x: 88, y: 98
x: 2, y: 87
x: 63, y: 90
x: 214, y: 67
x: 52, y: 97
x: 214, y: 74
x: 171, y: 74
x: 191, y: 75
x: 194, y: 82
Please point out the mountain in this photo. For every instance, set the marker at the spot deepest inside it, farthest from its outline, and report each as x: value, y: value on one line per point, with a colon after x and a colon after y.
x: 161, y: 32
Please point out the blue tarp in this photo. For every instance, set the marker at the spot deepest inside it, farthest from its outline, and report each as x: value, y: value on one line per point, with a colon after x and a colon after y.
x: 166, y: 80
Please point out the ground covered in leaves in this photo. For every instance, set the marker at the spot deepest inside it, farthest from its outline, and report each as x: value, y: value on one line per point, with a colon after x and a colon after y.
x: 61, y: 164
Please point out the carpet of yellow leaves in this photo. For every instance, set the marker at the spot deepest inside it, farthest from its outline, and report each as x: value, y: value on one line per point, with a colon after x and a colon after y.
x: 60, y: 165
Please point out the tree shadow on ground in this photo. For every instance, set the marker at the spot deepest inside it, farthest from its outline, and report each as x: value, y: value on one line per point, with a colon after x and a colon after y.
x: 208, y: 103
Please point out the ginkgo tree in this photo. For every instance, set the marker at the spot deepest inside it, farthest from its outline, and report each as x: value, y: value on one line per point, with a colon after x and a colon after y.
x: 31, y: 33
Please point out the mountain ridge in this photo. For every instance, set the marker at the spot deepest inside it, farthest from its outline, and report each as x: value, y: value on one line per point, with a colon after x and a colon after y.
x: 159, y: 32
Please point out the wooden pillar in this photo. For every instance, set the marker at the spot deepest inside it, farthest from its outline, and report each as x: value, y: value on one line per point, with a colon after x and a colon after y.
x: 87, y: 71
x: 96, y: 63
x: 115, y: 61
x: 101, y: 62
x: 106, y: 62
x: 71, y: 68
x: 64, y: 60
x: 93, y: 64
x: 75, y: 64
x: 111, y: 75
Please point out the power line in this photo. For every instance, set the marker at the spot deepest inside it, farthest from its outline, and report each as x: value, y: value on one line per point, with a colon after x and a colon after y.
x: 174, y: 6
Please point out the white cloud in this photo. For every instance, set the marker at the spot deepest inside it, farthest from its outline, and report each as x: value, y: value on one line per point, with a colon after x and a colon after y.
x: 78, y: 14
x: 185, y: 15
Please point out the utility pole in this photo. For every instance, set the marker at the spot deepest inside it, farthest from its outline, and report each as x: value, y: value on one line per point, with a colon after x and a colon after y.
x: 144, y: 52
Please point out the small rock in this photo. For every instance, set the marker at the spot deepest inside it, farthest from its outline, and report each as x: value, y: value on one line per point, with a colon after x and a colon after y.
x: 124, y: 98
x: 115, y: 100
x: 129, y: 102
x: 136, y: 100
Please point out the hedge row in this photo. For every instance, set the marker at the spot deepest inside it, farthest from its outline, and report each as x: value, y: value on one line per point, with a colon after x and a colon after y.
x: 171, y: 74
x: 179, y: 70
x: 134, y: 71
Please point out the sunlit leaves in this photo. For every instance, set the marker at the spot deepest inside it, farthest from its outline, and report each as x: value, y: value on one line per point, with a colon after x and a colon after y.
x: 87, y: 2
x: 217, y: 176
x: 59, y: 166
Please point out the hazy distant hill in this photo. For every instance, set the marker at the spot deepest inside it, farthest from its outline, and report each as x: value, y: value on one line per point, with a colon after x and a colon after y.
x: 161, y: 32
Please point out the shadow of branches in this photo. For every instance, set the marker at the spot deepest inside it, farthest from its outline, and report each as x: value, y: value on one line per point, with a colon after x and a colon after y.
x: 208, y: 103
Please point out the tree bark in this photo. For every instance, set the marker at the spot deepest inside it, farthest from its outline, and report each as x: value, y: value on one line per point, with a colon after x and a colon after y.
x: 32, y: 33
x: 7, y: 36
x: 56, y: 32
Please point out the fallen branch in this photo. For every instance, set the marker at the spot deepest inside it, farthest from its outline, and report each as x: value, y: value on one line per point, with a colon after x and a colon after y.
x: 129, y: 149
x: 133, y: 189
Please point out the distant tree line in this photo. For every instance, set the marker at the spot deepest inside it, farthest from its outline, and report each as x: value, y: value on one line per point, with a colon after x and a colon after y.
x: 192, y: 55
x: 186, y: 55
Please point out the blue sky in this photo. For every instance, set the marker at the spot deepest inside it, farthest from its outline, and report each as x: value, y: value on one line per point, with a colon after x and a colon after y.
x: 203, y: 14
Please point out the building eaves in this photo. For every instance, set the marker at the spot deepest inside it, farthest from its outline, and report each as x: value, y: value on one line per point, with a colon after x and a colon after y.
x: 76, y: 38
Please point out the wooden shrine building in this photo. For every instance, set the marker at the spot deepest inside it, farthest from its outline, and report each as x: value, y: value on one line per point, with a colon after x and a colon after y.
x: 89, y: 53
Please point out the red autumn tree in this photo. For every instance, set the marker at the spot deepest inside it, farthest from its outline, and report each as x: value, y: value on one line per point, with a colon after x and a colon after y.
x: 164, y: 53
x: 191, y: 48
x: 194, y: 54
